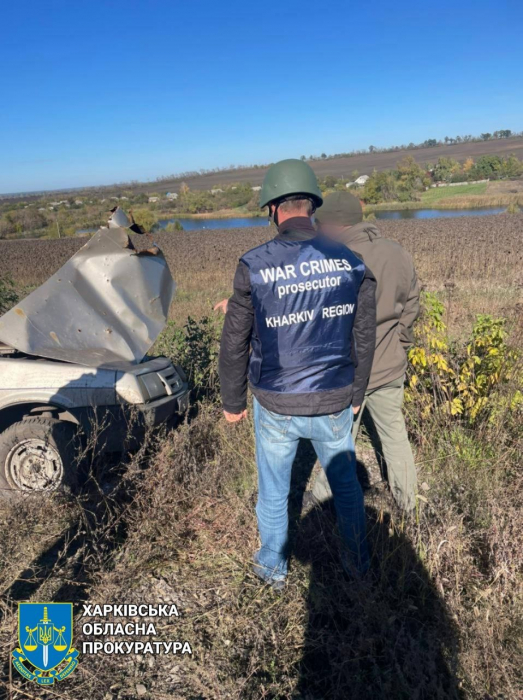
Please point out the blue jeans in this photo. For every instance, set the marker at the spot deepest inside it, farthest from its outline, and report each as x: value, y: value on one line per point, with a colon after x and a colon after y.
x: 277, y: 439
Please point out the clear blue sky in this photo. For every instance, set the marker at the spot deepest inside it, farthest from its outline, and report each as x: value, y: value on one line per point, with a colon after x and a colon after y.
x: 98, y: 92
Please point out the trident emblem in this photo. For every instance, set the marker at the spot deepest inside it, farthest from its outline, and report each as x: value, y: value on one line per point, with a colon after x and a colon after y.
x: 44, y: 642
x: 45, y: 636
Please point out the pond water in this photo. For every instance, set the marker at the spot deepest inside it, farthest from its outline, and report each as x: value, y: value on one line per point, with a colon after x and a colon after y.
x: 436, y: 213
x: 207, y: 224
x: 198, y: 224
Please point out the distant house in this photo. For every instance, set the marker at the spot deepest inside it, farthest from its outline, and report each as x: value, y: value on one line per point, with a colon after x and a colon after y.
x: 217, y: 190
x: 78, y: 202
x: 172, y: 195
x: 256, y: 189
x: 361, y: 180
x: 122, y: 197
x: 152, y: 200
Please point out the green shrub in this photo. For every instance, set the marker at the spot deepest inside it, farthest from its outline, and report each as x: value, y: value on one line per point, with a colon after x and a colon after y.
x: 8, y: 295
x: 465, y: 381
x: 487, y: 166
x: 145, y: 218
x: 173, y: 226
x: 195, y: 347
x: 403, y: 184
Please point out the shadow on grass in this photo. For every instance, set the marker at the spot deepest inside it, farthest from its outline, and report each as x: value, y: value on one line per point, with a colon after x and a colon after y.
x: 388, y: 635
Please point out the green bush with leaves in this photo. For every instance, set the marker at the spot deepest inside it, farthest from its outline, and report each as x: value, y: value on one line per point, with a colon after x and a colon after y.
x: 463, y: 380
x: 145, y: 218
x: 195, y: 347
x: 173, y: 226
x: 445, y: 169
x: 403, y: 184
x: 8, y: 295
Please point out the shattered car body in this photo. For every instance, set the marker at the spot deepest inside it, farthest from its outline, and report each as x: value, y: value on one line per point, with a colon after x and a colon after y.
x: 72, y: 361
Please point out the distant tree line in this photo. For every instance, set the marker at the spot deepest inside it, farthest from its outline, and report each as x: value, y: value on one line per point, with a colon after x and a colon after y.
x: 51, y: 219
x: 407, y: 181
x: 428, y: 143
x: 232, y: 196
x: 401, y: 184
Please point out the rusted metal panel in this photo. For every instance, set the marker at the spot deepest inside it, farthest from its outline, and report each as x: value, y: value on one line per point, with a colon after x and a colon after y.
x: 106, y: 305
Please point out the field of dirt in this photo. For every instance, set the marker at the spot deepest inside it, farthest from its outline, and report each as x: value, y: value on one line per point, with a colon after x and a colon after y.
x: 478, y: 250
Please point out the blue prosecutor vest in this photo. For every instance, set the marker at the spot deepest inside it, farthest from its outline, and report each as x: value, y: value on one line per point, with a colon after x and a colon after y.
x: 304, y: 295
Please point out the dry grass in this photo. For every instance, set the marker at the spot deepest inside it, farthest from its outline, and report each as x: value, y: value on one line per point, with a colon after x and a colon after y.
x: 505, y: 187
x: 453, y: 201
x: 440, y: 614
x: 474, y: 201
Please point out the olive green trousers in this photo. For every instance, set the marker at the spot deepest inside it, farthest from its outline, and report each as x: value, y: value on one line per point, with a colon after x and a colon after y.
x: 385, y: 407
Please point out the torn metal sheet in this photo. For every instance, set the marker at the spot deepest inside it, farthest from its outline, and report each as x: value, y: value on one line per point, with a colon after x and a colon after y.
x: 105, y: 306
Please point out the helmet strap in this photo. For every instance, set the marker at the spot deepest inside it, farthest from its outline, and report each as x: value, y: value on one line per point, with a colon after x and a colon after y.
x: 274, y: 216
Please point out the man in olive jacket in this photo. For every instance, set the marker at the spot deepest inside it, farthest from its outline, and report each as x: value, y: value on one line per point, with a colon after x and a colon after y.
x: 397, y: 307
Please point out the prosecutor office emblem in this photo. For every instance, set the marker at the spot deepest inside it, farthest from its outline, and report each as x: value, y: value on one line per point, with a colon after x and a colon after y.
x: 45, y: 637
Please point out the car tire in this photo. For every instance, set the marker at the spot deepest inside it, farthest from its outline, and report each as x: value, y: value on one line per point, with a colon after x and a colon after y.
x: 38, y: 455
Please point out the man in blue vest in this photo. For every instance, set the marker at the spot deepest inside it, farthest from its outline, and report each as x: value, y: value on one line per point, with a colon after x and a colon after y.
x: 300, y: 330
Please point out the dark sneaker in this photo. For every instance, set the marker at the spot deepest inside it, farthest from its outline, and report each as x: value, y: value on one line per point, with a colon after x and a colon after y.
x: 277, y: 584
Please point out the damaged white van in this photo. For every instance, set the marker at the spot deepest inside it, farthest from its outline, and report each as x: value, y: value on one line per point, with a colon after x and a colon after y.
x: 73, y: 361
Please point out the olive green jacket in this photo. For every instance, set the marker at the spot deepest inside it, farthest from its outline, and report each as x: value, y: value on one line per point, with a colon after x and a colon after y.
x: 397, y: 299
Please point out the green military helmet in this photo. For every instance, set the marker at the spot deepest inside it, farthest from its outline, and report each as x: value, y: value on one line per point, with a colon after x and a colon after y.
x: 290, y: 177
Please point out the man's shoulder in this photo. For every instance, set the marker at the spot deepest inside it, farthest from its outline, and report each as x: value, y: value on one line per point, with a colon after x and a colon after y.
x: 392, y: 245
x: 384, y: 248
x: 330, y: 245
x: 282, y: 242
x: 257, y: 249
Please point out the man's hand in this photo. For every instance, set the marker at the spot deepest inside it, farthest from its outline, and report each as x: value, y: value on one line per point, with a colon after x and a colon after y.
x: 234, y: 417
x: 355, y: 409
x: 222, y: 306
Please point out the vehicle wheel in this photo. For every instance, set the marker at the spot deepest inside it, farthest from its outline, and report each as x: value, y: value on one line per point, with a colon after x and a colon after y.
x: 37, y: 455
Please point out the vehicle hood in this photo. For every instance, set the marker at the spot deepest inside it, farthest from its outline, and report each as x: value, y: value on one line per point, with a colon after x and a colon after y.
x: 106, y: 305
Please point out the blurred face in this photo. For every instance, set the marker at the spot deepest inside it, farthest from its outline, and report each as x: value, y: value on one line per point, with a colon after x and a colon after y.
x: 331, y: 230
